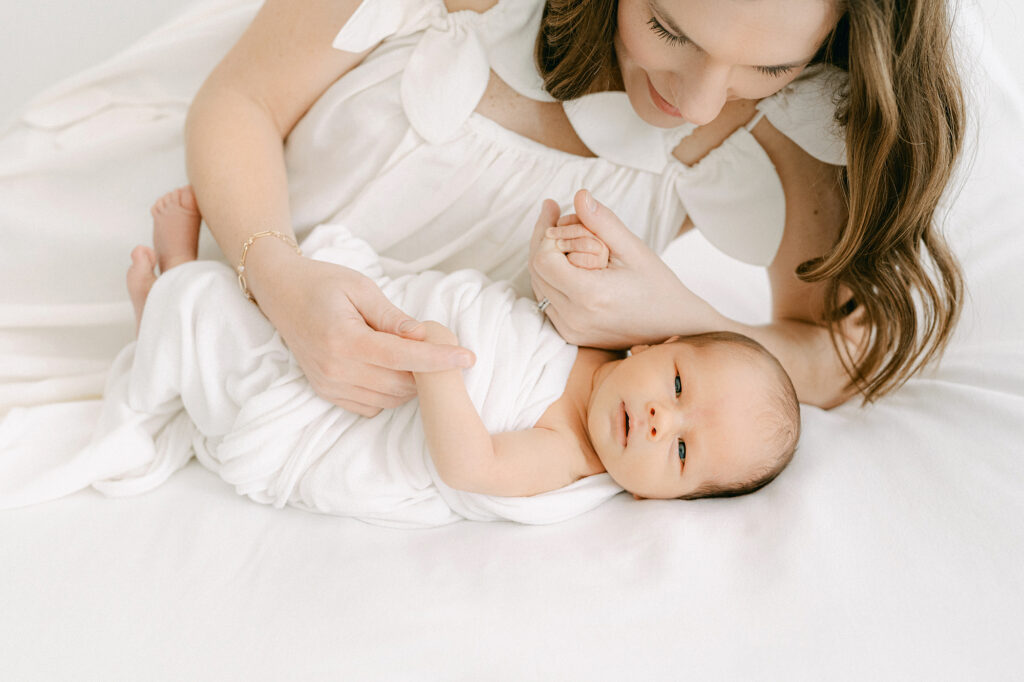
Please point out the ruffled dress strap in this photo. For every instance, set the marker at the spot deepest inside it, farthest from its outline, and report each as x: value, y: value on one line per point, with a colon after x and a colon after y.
x: 734, y: 195
x: 450, y: 64
x: 376, y: 20
x: 611, y: 128
x: 805, y: 112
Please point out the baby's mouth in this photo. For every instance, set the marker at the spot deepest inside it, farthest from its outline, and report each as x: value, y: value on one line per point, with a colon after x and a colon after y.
x: 626, y: 412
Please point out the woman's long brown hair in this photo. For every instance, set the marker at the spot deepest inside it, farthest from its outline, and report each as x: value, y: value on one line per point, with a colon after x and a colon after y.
x: 904, y: 116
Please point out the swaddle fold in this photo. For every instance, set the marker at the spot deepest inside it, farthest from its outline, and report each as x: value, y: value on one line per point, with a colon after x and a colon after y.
x: 210, y: 375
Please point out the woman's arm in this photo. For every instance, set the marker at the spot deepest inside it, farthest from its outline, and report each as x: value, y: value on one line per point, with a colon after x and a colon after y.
x: 344, y: 333
x: 246, y: 108
x: 638, y: 299
x: 797, y: 335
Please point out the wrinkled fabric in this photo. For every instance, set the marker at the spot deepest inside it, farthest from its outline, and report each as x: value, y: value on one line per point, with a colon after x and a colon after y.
x: 210, y: 374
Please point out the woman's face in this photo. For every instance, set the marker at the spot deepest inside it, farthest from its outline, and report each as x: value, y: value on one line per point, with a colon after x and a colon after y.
x: 682, y: 60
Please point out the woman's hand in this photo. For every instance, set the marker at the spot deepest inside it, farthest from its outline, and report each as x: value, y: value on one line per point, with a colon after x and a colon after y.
x: 357, y: 349
x: 581, y: 247
x: 635, y: 299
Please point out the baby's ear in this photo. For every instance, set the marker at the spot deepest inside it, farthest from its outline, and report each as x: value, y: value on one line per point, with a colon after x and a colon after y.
x: 639, y: 348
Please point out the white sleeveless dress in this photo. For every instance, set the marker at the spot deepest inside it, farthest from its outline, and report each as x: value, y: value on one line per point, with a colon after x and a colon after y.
x: 395, y: 146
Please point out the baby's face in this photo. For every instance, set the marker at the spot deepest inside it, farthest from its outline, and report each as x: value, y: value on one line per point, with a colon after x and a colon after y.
x: 676, y: 416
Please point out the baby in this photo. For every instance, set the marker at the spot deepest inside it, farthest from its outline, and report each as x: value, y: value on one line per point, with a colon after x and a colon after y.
x: 700, y: 416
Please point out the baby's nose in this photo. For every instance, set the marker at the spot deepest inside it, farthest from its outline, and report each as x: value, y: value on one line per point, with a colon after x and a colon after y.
x: 659, y: 420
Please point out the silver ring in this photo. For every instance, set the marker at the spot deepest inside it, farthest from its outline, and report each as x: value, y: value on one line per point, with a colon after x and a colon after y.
x: 543, y: 305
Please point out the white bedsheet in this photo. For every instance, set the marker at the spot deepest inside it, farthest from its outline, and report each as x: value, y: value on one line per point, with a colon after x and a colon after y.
x: 890, y: 549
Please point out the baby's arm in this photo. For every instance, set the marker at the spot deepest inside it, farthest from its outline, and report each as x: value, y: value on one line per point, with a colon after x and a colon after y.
x: 517, y: 463
x: 581, y: 247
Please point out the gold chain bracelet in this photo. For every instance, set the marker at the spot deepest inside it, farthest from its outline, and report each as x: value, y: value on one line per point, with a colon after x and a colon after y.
x: 242, y: 284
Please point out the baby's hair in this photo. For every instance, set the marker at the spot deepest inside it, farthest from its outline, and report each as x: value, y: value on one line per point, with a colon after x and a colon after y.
x: 782, y: 417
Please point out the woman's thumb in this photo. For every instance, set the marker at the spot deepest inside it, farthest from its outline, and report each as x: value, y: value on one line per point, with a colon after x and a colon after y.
x: 384, y: 316
x: 605, y: 225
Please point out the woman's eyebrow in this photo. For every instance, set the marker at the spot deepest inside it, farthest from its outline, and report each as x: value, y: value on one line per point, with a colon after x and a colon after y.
x: 671, y: 24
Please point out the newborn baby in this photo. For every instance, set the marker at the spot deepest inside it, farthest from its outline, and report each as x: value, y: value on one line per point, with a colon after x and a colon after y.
x: 707, y: 415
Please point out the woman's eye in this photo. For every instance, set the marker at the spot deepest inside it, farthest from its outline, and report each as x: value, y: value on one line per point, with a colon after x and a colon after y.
x: 682, y: 451
x: 679, y: 385
x: 664, y: 33
x: 775, y: 71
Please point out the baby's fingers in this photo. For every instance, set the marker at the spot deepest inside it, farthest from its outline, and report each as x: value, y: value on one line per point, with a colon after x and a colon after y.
x: 588, y: 261
x: 568, y: 231
x: 581, y: 245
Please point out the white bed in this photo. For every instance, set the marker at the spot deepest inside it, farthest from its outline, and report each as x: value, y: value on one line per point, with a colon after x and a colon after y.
x: 892, y: 548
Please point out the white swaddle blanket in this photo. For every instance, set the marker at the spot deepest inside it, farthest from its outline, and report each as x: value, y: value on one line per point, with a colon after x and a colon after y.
x: 210, y: 375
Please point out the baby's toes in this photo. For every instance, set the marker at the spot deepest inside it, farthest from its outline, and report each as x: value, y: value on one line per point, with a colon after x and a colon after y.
x: 186, y: 199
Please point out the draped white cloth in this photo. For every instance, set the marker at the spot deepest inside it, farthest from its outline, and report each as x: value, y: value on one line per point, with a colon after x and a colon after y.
x: 210, y: 375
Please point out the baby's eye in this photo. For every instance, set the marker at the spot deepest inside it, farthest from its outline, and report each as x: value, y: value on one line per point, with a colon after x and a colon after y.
x: 679, y: 385
x: 682, y: 451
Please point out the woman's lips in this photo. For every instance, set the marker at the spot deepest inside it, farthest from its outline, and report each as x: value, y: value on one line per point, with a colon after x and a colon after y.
x: 660, y: 101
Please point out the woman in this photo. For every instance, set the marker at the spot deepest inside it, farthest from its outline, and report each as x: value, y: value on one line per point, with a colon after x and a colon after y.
x: 715, y: 88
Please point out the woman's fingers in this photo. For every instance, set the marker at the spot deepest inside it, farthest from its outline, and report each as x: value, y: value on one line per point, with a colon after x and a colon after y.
x: 605, y: 225
x: 582, y: 245
x: 549, y: 213
x: 358, y: 408
x: 362, y: 400
x: 572, y: 231
x: 384, y: 346
x: 408, y: 355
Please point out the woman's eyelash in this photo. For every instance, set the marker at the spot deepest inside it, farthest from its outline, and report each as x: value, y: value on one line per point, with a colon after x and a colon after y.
x: 775, y: 71
x: 664, y: 33
x: 668, y: 36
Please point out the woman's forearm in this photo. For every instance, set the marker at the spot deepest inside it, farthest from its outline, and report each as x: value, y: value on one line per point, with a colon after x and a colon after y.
x: 238, y: 121
x: 235, y: 162
x: 806, y: 352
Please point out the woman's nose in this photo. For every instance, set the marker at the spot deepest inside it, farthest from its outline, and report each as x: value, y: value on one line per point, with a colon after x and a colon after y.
x: 701, y: 93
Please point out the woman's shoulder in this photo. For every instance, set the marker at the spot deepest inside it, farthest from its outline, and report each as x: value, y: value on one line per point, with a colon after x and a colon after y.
x: 805, y: 112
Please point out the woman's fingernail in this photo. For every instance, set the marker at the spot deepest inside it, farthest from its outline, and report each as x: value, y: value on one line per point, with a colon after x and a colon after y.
x: 591, y: 202
x: 560, y: 244
x: 407, y: 326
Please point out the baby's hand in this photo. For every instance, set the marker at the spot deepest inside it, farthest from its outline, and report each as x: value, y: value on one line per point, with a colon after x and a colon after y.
x: 581, y: 247
x: 435, y: 332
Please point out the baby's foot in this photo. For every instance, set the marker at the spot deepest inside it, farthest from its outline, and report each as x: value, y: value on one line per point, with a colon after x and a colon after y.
x: 176, y: 228
x: 141, y: 276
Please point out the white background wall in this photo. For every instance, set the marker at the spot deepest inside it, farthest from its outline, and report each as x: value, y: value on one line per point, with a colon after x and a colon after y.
x: 42, y: 41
